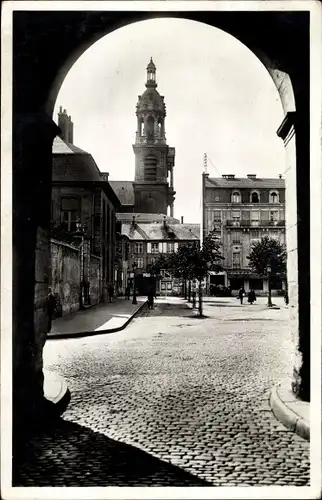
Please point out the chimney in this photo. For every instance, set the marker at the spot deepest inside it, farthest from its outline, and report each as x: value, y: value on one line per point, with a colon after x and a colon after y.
x: 66, y: 126
x: 181, y: 219
x: 164, y: 220
x: 133, y: 221
x: 70, y: 130
x: 280, y: 176
x: 251, y: 176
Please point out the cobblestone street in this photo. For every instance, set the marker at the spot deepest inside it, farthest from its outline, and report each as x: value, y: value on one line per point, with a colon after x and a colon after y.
x: 192, y: 393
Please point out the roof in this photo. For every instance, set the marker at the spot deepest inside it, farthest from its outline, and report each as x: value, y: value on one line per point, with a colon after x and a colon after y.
x: 124, y: 191
x: 62, y: 147
x: 141, y: 217
x: 157, y: 231
x: 244, y: 182
x: 71, y: 163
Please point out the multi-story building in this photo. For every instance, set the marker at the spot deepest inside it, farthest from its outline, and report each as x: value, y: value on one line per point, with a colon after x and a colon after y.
x: 147, y: 241
x: 83, y: 215
x: 242, y: 210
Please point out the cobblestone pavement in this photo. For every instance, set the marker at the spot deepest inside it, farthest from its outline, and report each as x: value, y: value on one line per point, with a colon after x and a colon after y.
x: 192, y: 393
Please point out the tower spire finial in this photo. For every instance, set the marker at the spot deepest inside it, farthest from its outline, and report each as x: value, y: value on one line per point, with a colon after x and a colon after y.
x: 151, y: 74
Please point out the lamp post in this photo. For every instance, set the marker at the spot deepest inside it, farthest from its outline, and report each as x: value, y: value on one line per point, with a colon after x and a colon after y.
x: 269, y: 271
x: 134, y: 301
x: 80, y: 231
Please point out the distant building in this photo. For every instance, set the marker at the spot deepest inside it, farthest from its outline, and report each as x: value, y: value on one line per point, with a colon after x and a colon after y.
x: 242, y: 210
x: 147, y: 241
x: 83, y: 215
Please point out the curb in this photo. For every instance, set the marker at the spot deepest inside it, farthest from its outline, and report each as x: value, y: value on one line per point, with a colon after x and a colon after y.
x: 62, y: 336
x: 288, y: 417
x: 57, y: 393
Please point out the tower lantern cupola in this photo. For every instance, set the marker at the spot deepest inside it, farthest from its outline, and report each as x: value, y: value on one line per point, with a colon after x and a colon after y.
x: 151, y: 75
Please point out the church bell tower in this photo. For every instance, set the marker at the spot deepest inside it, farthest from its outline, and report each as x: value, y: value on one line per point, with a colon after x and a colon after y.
x: 154, y: 159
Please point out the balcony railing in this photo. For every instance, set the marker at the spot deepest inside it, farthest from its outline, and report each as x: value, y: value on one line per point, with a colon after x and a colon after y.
x: 255, y: 223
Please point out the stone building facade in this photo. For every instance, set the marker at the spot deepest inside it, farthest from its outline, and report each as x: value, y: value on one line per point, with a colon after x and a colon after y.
x: 243, y: 210
x: 83, y: 215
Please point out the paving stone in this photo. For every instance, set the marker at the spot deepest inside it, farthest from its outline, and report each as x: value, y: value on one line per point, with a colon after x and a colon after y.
x: 200, y: 408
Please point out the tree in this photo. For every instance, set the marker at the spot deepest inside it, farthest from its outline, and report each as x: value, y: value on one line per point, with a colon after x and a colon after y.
x: 191, y: 261
x: 268, y: 258
x: 268, y: 251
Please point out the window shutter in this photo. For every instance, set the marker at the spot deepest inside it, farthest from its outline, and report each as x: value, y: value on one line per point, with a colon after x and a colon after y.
x: 160, y: 247
x: 164, y: 244
x: 176, y: 246
x: 149, y: 247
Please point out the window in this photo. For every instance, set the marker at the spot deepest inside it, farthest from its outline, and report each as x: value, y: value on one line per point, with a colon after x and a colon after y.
x: 154, y: 247
x: 255, y: 235
x: 254, y: 218
x: 236, y: 236
x: 138, y: 248
x: 254, y: 197
x: 153, y: 260
x: 217, y: 215
x: 236, y: 260
x: 69, y: 212
x: 170, y: 247
x: 274, y: 216
x: 236, y: 217
x: 235, y: 197
x: 273, y: 197
x: 139, y: 262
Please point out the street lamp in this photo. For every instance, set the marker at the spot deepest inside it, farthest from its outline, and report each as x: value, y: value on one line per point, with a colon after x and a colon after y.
x: 80, y: 233
x: 269, y: 271
x: 134, y: 301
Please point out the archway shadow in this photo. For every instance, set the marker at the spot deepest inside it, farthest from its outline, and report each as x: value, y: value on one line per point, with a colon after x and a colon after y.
x: 68, y: 454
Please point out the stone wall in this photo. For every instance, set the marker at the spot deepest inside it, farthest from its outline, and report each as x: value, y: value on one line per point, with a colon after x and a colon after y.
x: 65, y: 275
x: 95, y: 280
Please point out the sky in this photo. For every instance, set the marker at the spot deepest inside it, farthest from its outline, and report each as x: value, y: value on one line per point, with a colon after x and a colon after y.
x: 220, y: 100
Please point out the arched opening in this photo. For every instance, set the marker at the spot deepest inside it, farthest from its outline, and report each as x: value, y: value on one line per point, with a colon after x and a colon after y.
x: 274, y: 197
x: 150, y: 127
x: 254, y: 197
x: 36, y: 132
x: 236, y: 197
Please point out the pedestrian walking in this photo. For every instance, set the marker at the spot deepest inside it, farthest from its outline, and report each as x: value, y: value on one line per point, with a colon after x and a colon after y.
x: 111, y: 292
x: 50, y: 308
x: 151, y: 296
x: 127, y: 293
x: 241, y: 294
x: 251, y: 296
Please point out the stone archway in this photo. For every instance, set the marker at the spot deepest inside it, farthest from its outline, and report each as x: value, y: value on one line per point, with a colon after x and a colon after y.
x: 44, y: 51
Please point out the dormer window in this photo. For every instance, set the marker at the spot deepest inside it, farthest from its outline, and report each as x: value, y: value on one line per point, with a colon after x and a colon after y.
x: 254, y: 197
x: 235, y: 197
x: 274, y: 197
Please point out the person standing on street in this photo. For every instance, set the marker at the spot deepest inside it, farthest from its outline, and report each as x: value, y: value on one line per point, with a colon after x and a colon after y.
x: 251, y: 296
x: 286, y: 299
x: 151, y: 296
x: 241, y: 294
x: 50, y: 308
x: 127, y: 292
x: 111, y: 292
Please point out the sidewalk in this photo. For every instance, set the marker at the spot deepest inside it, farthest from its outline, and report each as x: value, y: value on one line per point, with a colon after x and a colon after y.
x: 103, y: 318
x: 291, y: 411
